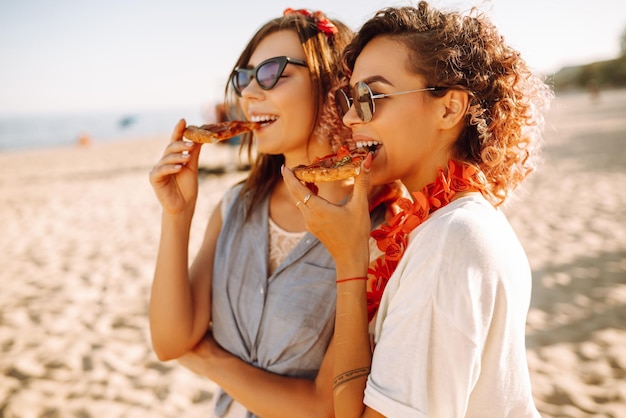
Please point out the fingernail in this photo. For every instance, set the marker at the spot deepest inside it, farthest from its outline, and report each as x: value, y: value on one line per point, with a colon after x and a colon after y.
x: 368, y: 162
x: 282, y: 169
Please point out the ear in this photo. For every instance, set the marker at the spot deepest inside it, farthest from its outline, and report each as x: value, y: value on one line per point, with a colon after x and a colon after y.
x: 455, y: 103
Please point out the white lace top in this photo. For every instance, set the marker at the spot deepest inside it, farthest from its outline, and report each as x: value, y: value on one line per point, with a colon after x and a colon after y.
x: 281, y: 241
x: 281, y: 244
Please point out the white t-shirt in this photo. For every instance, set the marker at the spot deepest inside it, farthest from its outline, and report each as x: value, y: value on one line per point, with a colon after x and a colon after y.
x: 450, y: 331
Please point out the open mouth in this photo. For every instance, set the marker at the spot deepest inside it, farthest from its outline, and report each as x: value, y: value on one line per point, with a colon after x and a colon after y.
x: 265, y: 120
x: 370, y: 146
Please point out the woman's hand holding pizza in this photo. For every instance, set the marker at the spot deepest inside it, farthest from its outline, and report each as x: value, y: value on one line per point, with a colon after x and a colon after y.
x: 175, y: 177
x: 343, y: 229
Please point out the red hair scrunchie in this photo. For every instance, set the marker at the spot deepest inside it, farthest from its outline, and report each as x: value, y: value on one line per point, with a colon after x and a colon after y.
x: 323, y: 23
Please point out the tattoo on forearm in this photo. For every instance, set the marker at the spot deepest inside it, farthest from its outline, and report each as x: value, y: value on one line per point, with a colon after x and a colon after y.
x: 350, y: 375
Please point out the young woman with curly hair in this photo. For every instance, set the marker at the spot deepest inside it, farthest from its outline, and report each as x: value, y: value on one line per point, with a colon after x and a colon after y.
x: 456, y: 114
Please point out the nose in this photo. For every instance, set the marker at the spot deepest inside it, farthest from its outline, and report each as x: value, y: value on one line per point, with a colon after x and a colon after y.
x: 252, y: 90
x: 351, y: 118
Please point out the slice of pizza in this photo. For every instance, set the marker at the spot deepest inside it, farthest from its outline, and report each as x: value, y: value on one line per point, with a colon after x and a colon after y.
x: 217, y: 132
x: 344, y: 164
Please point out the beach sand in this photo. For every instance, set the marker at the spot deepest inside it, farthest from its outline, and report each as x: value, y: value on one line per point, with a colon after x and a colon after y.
x: 79, y: 229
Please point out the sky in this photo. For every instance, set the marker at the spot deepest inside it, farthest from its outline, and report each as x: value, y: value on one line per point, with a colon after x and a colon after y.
x: 75, y: 55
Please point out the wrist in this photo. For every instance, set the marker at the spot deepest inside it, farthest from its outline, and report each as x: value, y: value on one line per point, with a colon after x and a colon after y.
x: 351, y: 268
x: 179, y: 219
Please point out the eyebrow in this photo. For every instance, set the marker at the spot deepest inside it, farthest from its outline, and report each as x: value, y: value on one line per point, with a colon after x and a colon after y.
x: 377, y: 78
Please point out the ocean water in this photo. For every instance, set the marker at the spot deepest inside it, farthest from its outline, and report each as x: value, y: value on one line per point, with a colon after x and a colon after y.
x: 40, y: 131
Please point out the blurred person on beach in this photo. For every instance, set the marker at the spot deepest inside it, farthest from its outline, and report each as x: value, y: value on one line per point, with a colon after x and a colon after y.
x: 457, y: 116
x: 261, y: 285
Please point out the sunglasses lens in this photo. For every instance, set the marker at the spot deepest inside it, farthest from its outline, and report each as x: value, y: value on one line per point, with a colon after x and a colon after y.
x: 362, y: 96
x: 267, y: 75
x: 241, y: 79
x: 342, y: 103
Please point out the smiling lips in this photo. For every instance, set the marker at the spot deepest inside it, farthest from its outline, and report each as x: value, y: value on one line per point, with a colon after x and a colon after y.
x: 264, y: 120
x: 371, y: 146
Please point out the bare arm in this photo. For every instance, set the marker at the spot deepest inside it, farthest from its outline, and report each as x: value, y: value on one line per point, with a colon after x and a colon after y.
x: 264, y: 393
x: 180, y: 299
x: 349, y: 247
x: 180, y: 303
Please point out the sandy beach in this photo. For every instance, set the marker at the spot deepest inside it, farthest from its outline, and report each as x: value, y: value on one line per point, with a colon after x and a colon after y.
x: 79, y: 230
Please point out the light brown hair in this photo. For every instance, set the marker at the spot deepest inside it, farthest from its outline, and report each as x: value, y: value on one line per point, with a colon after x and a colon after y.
x: 323, y: 55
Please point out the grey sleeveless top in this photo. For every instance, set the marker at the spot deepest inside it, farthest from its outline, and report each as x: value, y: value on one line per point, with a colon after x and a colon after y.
x: 281, y: 323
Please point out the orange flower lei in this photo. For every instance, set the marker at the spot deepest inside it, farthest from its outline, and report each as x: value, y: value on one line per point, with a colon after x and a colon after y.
x: 392, y: 237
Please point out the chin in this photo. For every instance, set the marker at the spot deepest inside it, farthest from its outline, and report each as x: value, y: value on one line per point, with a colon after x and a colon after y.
x: 378, y: 178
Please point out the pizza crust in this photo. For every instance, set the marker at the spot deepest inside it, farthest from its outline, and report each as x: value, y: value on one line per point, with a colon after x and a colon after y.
x: 216, y: 132
x: 340, y: 166
x: 314, y: 175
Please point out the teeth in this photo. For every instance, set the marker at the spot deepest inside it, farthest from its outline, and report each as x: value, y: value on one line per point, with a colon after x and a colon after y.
x: 263, y: 118
x: 363, y: 144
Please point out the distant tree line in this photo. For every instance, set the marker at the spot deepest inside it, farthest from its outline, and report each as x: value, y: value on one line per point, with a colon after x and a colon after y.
x: 596, y: 75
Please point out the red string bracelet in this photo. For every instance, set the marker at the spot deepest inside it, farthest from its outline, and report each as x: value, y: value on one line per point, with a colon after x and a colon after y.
x: 352, y: 278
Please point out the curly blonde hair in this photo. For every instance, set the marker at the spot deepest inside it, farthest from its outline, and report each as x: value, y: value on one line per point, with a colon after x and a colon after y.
x: 504, y: 121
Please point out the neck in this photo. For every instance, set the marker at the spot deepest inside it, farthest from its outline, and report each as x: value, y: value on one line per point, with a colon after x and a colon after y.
x: 427, y: 172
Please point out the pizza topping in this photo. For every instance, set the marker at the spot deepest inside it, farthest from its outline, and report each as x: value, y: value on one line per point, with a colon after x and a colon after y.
x: 344, y: 164
x: 345, y: 160
x: 219, y: 131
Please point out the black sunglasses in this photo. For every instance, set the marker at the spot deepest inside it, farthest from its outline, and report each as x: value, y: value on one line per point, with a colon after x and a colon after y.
x: 266, y: 73
x: 365, y: 99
